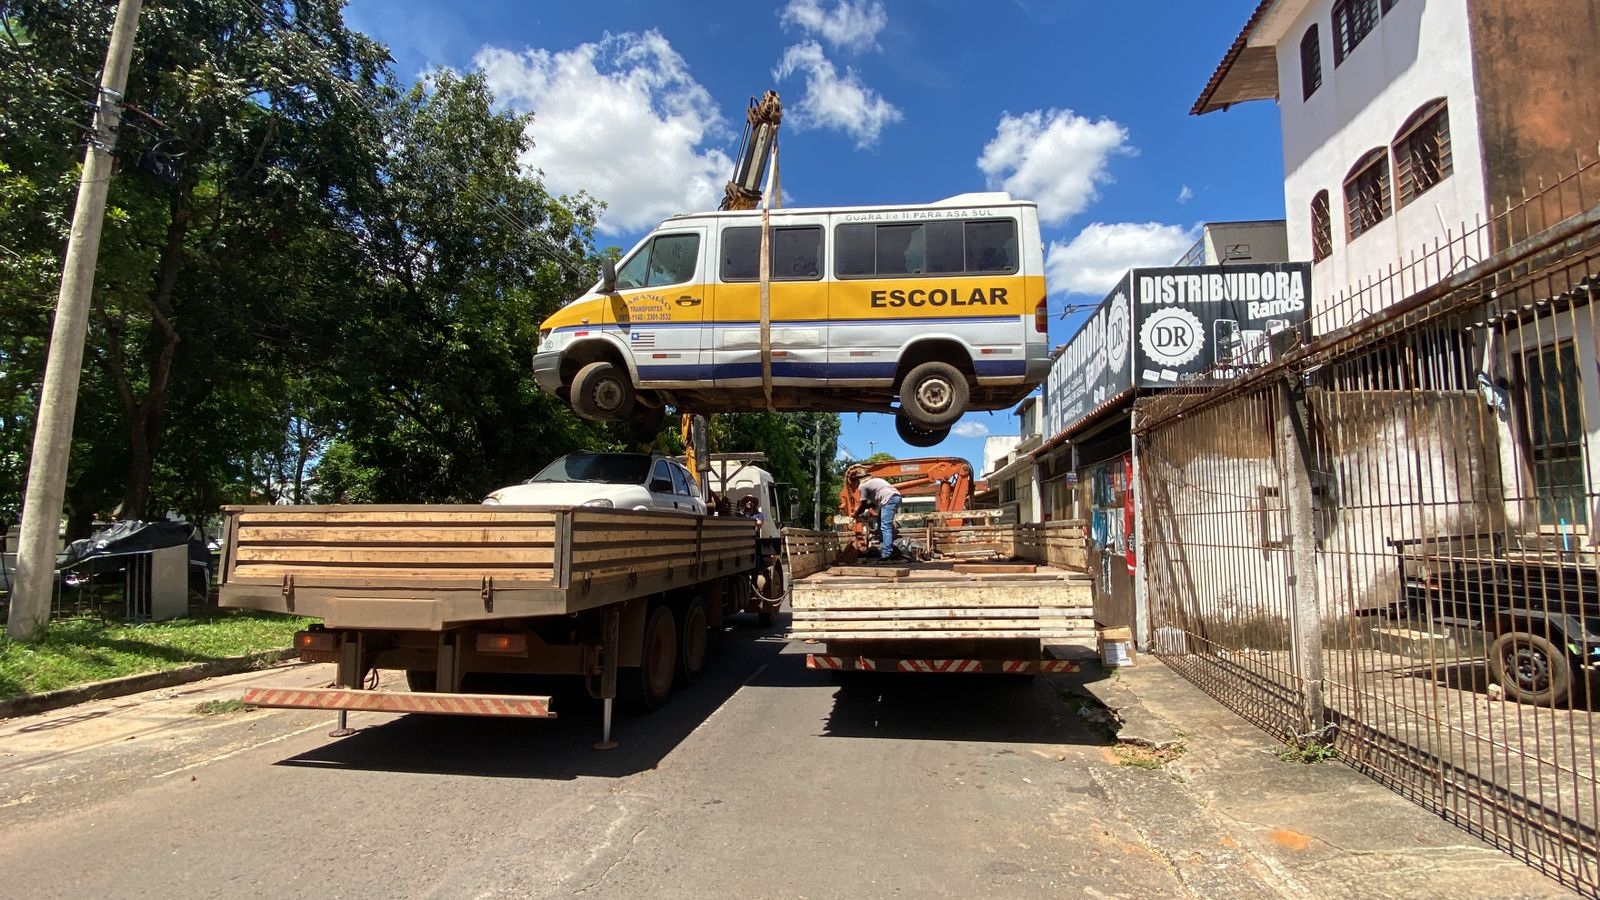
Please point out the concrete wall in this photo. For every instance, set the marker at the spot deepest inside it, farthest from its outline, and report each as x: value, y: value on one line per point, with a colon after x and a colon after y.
x: 1538, y: 89
x: 1418, y: 52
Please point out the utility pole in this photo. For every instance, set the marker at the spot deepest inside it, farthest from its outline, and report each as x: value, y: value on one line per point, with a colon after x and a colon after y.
x: 872, y: 449
x: 816, y: 495
x: 58, y: 398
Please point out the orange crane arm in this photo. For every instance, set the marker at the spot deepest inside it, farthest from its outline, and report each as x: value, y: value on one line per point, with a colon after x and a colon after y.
x: 948, y: 478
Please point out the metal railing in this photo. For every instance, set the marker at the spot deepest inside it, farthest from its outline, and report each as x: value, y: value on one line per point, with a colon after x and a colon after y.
x: 1388, y: 540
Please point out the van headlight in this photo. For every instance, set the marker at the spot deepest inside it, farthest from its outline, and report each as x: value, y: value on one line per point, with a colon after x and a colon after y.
x: 599, y: 501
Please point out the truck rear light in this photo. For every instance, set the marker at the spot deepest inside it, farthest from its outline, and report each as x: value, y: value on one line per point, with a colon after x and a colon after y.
x: 325, y: 641
x: 502, y: 643
x: 1041, y: 316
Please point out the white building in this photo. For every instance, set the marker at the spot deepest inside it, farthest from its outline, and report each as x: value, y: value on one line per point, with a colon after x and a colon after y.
x: 1406, y: 121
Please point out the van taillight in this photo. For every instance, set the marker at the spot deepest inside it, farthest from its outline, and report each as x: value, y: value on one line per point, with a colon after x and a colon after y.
x: 1041, y: 316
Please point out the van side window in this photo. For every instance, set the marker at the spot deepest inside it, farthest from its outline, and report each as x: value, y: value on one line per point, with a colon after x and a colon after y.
x: 796, y: 253
x: 668, y: 259
x: 927, y: 248
x: 854, y: 251
x: 992, y: 246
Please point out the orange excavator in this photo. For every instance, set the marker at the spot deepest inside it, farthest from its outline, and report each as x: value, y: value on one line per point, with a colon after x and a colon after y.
x: 947, y: 479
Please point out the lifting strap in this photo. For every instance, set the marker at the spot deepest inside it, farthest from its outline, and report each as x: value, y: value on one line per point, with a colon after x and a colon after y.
x: 774, y: 198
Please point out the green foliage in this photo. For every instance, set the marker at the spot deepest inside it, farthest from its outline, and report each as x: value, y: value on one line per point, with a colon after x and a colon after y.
x: 337, y: 298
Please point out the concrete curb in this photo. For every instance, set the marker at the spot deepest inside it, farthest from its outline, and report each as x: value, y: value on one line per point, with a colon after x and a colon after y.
x: 1136, y: 724
x: 32, y: 704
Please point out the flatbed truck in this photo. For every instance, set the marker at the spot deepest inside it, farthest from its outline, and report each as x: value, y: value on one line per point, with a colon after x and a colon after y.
x: 979, y: 609
x: 624, y: 598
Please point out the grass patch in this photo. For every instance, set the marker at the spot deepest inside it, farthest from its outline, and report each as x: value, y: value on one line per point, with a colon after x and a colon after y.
x: 78, y: 651
x: 1141, y: 756
x: 221, y: 707
x: 1307, y: 751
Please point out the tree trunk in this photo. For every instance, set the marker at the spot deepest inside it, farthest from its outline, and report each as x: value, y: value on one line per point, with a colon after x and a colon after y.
x: 148, y: 417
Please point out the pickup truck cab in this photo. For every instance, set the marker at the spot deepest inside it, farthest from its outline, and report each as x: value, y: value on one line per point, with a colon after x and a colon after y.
x: 925, y: 311
x: 619, y: 480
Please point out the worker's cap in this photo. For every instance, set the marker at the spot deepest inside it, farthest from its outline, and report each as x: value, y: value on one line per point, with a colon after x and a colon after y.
x: 856, y: 472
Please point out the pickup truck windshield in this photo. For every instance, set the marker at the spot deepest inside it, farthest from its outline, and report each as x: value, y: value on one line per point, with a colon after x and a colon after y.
x: 606, y: 468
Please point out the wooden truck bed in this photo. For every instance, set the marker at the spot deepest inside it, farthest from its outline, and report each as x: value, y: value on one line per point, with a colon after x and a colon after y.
x: 943, y: 600
x: 430, y: 567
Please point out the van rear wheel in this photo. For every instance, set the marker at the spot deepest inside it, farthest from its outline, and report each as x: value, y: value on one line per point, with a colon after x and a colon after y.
x: 601, y: 392
x: 933, y: 395
x: 918, y: 437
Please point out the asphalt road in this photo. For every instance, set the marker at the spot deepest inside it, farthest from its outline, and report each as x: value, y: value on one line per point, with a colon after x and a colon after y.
x: 764, y: 780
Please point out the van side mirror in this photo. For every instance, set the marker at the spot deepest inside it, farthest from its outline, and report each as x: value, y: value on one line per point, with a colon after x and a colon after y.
x: 608, y: 277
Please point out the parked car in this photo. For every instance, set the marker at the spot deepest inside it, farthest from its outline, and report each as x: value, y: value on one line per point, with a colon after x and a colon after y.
x: 621, y: 480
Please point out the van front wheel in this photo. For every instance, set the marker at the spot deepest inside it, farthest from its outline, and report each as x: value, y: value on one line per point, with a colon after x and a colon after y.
x: 933, y: 395
x: 602, y: 392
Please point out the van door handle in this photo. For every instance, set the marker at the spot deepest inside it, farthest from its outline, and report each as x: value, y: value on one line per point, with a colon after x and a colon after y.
x: 687, y: 300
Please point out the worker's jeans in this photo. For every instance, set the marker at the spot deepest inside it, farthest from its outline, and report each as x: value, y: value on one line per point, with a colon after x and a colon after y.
x: 886, y: 525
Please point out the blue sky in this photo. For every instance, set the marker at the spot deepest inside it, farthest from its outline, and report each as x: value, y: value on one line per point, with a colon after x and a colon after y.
x: 1080, y: 106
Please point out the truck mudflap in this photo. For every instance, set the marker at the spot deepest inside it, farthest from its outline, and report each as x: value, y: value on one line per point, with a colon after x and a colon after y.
x: 350, y: 700
x: 994, y: 666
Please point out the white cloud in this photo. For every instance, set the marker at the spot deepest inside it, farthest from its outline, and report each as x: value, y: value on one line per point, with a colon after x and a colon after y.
x: 1092, y: 262
x: 834, y: 101
x: 622, y: 118
x: 970, y: 429
x: 852, y: 26
x: 1054, y: 157
x: 1185, y: 195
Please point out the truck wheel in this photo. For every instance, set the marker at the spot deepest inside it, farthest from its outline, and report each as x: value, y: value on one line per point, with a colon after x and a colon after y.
x: 650, y: 685
x: 918, y: 437
x: 1531, y: 668
x: 933, y: 395
x: 777, y: 586
x: 601, y: 392
x: 695, y: 644
x: 422, y: 682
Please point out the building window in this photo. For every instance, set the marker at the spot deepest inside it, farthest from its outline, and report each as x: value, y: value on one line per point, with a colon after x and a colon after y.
x: 1366, y: 193
x: 1321, y: 227
x: 1552, y: 422
x: 1422, y: 152
x: 1310, y: 62
x: 1352, y: 21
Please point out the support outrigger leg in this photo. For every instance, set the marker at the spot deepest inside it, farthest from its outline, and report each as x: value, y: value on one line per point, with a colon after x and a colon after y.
x: 612, y: 639
x: 349, y: 677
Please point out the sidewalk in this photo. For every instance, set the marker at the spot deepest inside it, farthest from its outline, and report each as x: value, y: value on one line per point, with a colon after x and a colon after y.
x: 1233, y: 820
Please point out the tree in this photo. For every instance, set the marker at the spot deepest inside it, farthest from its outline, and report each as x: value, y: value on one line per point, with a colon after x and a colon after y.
x: 428, y: 373
x: 247, y: 124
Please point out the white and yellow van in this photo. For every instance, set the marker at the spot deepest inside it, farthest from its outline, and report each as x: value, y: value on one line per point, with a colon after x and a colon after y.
x: 939, y: 306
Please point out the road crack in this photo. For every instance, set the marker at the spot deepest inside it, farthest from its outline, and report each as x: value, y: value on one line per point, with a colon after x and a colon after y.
x: 633, y: 844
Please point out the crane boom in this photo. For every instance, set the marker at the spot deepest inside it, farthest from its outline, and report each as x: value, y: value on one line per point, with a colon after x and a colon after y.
x: 761, y: 123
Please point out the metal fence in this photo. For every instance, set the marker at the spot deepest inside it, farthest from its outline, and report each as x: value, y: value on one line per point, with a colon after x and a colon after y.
x: 1388, y: 540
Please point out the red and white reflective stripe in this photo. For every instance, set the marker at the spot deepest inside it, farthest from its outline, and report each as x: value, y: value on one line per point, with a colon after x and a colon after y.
x: 940, y: 665
x: 824, y: 662
x: 1058, y: 665
x: 867, y: 665
x: 1015, y: 665
x: 380, y: 701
